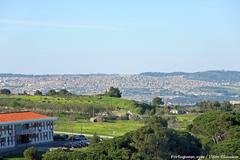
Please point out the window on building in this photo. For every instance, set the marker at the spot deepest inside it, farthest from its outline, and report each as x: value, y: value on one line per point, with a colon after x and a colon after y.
x: 45, y: 136
x: 8, y: 141
x: 2, y: 141
x: 40, y: 136
x: 26, y: 126
x: 37, y: 139
x: 1, y: 130
x: 11, y: 140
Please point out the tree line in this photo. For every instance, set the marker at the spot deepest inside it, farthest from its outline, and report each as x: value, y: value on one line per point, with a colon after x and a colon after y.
x: 214, y: 105
x: 112, y: 92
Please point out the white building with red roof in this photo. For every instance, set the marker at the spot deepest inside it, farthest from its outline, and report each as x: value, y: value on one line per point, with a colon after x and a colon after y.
x: 21, y: 128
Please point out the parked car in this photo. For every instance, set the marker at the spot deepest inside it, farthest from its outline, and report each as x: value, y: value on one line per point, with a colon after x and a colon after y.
x: 60, y: 137
x: 76, y: 144
x: 79, y: 137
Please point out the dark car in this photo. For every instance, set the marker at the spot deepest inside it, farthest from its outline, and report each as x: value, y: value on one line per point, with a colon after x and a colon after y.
x: 79, y: 137
x: 60, y: 137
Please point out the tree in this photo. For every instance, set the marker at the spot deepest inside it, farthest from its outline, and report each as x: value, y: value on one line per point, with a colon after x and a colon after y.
x: 157, y: 121
x: 5, y: 91
x: 31, y: 154
x: 64, y: 92
x: 114, y: 92
x: 38, y: 93
x: 220, y: 131
x: 25, y: 93
x: 95, y: 139
x: 142, y: 108
x: 157, y: 101
x: 227, y: 147
x: 51, y: 92
x: 214, y: 105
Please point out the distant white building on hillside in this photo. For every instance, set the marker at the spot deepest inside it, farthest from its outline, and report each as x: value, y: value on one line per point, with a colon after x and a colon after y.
x: 234, y: 102
x: 175, y: 111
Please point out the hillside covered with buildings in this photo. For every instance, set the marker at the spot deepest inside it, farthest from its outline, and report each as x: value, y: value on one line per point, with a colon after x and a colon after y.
x: 175, y: 88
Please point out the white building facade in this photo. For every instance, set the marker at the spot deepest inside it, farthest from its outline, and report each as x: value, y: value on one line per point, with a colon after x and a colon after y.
x: 25, y: 128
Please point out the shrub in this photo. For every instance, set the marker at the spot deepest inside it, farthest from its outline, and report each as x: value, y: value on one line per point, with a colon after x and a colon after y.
x: 31, y: 154
x: 5, y: 91
x: 114, y: 92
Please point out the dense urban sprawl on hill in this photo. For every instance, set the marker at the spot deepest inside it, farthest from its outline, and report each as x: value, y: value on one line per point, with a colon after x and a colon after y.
x: 176, y: 88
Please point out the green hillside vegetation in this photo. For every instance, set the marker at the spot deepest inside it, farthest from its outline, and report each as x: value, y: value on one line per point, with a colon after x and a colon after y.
x: 75, y: 104
x: 74, y: 112
x: 219, y: 131
x: 205, y: 106
x: 154, y: 141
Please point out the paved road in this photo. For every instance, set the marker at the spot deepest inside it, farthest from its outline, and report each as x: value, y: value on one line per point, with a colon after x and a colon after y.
x: 87, y: 135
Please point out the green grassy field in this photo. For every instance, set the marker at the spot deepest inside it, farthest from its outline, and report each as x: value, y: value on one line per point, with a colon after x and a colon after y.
x: 73, y: 100
x: 112, y: 128
x: 184, y: 120
x: 82, y: 105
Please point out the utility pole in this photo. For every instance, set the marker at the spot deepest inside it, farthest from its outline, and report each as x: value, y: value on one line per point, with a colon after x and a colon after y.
x: 93, y: 112
x: 71, y: 127
x: 81, y: 128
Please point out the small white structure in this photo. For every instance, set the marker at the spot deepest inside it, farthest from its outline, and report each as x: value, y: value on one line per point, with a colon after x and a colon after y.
x: 173, y: 111
x: 21, y: 128
x: 234, y: 102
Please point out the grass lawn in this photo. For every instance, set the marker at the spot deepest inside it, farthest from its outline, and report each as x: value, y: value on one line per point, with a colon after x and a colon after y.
x: 15, y: 158
x: 113, y: 128
x: 184, y: 120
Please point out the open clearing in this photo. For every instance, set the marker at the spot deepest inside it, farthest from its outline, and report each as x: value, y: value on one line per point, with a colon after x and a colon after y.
x: 113, y: 128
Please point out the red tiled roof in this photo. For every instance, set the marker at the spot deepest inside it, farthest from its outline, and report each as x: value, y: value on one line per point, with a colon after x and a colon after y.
x: 20, y: 116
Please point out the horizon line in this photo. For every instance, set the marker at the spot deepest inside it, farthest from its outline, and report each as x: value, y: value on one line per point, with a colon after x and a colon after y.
x: 99, y: 73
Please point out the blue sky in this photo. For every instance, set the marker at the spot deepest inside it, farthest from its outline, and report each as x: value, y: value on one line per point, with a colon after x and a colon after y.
x: 66, y: 36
